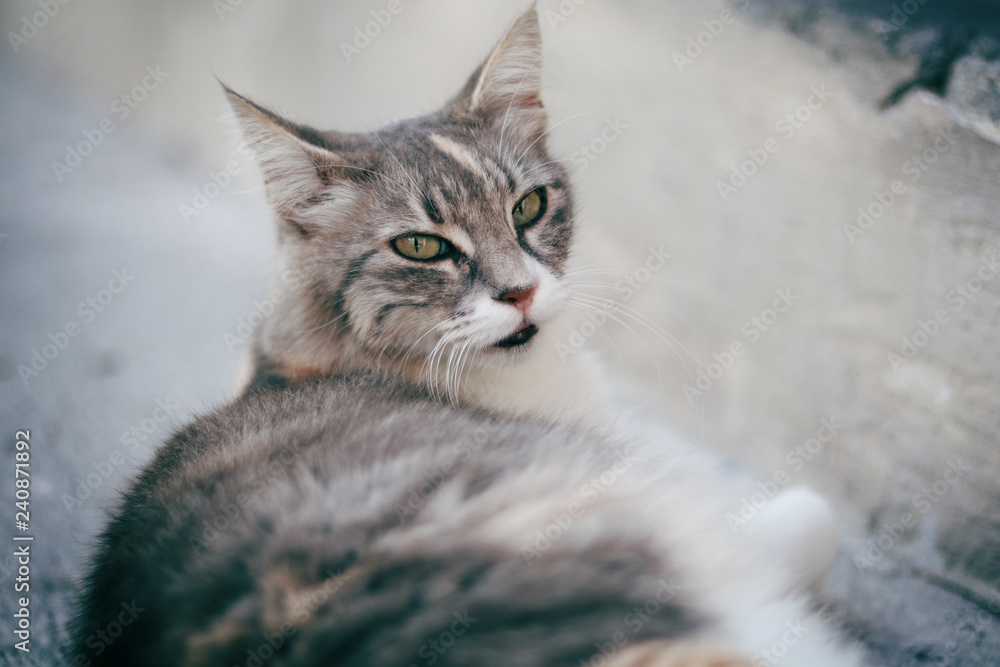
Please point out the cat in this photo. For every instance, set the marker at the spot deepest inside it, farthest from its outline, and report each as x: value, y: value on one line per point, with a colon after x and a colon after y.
x: 339, y: 512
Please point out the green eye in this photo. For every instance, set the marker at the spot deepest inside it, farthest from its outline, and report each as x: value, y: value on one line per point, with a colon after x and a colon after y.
x: 421, y: 246
x: 530, y: 208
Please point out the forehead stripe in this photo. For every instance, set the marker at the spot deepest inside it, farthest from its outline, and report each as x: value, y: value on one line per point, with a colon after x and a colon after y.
x: 432, y: 210
x: 460, y: 154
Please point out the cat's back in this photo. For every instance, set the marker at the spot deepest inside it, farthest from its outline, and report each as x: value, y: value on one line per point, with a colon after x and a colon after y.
x: 249, y: 518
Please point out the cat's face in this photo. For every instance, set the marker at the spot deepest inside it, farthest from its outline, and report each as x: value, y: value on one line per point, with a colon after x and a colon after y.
x: 436, y: 240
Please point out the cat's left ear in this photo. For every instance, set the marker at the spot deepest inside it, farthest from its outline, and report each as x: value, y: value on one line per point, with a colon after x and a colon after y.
x: 509, y: 84
x: 297, y: 161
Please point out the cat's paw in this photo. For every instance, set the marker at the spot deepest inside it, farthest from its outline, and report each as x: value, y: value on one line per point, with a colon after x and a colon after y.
x: 663, y: 653
x: 798, y: 529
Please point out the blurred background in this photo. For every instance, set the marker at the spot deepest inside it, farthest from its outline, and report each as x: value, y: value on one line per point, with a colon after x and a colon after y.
x: 824, y: 176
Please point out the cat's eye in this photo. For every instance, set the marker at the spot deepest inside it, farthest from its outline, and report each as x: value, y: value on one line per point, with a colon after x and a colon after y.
x: 421, y: 246
x: 530, y: 208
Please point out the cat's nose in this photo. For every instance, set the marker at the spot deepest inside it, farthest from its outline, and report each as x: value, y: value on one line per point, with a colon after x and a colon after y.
x: 519, y: 297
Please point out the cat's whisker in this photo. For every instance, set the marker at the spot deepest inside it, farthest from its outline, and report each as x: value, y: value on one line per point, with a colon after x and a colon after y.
x: 437, y: 327
x: 539, y: 137
x: 652, y: 356
x: 461, y: 359
x: 454, y: 361
x: 612, y: 271
x: 570, y: 310
x: 659, y: 304
x: 300, y: 334
x: 671, y: 311
x: 449, y: 384
x: 446, y: 344
x: 543, y: 164
x: 431, y: 365
x: 596, y: 274
x: 338, y: 165
x: 609, y: 311
x: 468, y: 361
x: 602, y: 302
x: 592, y: 271
x: 602, y: 264
x: 416, y: 188
x: 452, y: 351
x: 430, y: 380
x: 539, y: 167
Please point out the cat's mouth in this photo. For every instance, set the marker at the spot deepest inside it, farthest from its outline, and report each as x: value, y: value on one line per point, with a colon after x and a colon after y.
x: 518, y: 338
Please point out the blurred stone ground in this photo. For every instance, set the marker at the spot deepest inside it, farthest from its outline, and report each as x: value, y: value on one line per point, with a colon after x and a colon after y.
x: 157, y: 352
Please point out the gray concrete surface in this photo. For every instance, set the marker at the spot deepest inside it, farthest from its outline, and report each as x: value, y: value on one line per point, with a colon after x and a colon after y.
x: 914, y: 463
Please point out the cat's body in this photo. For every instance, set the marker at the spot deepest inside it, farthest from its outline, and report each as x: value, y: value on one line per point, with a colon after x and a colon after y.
x: 385, y: 491
x: 353, y: 521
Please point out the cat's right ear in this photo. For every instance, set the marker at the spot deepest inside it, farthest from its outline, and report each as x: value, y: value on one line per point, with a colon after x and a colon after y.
x: 296, y: 161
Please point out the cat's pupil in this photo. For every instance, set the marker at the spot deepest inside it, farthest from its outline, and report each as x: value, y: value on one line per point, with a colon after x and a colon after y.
x: 421, y: 246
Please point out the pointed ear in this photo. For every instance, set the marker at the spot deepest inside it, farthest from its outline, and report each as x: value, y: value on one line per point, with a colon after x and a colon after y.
x: 511, y: 78
x: 297, y: 163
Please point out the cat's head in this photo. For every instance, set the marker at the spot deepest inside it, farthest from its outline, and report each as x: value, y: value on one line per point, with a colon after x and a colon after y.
x: 434, y: 239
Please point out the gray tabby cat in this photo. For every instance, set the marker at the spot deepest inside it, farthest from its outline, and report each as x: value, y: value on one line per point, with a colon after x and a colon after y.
x: 340, y: 513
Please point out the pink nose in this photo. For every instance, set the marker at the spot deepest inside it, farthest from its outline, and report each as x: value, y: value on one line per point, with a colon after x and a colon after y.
x: 520, y: 299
